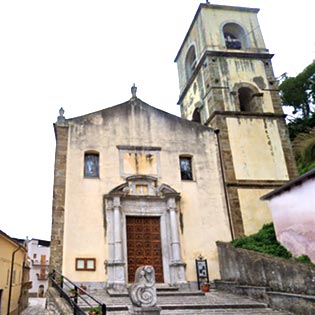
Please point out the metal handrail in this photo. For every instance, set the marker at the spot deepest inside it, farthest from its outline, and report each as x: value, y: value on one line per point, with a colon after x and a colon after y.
x: 79, y: 300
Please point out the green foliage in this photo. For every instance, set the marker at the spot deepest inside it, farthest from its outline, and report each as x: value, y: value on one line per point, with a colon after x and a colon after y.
x: 299, y: 91
x: 299, y: 125
x: 303, y: 169
x: 264, y: 241
x: 95, y: 310
x: 304, y: 259
x: 304, y: 150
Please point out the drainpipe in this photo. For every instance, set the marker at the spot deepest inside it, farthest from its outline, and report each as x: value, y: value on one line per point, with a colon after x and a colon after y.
x: 217, y: 131
x: 11, y: 278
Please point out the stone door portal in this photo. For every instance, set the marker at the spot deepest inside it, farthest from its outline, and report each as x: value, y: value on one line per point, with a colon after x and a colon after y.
x: 144, y: 245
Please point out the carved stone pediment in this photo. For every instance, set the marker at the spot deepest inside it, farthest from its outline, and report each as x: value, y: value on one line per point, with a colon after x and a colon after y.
x: 142, y: 185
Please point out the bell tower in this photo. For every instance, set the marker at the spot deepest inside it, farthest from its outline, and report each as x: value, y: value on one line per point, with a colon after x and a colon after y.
x: 227, y: 82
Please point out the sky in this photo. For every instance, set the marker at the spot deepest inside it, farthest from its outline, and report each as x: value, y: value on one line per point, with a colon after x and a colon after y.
x: 84, y: 56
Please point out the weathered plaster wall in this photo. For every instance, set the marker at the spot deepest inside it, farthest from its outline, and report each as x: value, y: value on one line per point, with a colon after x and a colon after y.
x: 293, y: 214
x: 259, y: 154
x: 255, y: 213
x: 202, y: 203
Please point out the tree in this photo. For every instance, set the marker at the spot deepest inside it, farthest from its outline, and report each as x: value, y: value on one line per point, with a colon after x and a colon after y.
x: 299, y: 91
x: 304, y: 150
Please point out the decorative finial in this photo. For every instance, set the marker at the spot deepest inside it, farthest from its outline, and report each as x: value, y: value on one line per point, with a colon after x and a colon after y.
x: 61, y: 119
x: 134, y: 91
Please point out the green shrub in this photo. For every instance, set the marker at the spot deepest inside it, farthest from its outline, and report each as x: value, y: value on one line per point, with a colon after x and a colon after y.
x: 264, y: 241
x: 304, y: 259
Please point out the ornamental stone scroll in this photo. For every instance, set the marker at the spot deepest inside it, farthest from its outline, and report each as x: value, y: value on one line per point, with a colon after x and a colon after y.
x: 143, y: 292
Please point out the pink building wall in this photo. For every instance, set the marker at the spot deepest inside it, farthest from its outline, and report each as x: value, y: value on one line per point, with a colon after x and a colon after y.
x: 293, y: 214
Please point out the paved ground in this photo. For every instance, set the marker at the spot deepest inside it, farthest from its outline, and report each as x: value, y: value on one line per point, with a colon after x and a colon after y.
x: 36, y: 306
x: 215, y: 303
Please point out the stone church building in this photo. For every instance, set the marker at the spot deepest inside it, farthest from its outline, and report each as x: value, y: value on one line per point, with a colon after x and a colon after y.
x: 135, y: 185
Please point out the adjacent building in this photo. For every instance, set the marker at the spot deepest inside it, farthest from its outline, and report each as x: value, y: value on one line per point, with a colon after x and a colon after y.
x: 135, y: 185
x: 293, y: 214
x: 14, y: 275
x: 39, y: 254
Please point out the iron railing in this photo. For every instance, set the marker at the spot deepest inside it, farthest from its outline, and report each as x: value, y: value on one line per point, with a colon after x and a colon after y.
x: 77, y: 297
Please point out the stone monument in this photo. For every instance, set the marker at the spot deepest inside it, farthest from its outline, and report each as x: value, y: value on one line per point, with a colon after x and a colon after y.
x: 143, y: 293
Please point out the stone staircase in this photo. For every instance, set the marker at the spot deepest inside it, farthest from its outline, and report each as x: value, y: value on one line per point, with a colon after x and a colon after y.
x: 173, y: 301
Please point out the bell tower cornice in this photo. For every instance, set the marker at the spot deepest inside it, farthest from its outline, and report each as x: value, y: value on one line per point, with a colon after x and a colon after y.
x: 262, y: 55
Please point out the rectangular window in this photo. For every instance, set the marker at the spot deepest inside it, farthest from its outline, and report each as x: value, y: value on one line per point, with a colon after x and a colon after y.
x: 85, y: 264
x: 185, y: 168
x: 91, y: 167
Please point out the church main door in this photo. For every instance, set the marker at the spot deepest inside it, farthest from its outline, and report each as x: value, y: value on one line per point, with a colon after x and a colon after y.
x: 144, y: 245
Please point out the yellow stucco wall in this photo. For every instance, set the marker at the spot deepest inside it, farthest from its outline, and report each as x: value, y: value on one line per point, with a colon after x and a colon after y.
x: 255, y: 212
x: 256, y: 149
x: 202, y: 200
x: 7, y: 248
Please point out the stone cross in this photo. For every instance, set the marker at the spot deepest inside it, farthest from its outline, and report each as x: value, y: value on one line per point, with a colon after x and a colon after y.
x: 143, y: 293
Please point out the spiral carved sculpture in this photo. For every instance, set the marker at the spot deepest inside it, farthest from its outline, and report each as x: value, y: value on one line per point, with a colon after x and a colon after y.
x: 143, y: 292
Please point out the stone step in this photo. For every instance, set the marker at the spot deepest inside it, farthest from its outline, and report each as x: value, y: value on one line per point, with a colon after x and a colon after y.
x: 184, y: 306
x: 265, y: 311
x: 187, y: 301
x: 160, y: 292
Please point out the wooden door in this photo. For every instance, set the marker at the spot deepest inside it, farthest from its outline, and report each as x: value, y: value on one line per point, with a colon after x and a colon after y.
x: 144, y: 245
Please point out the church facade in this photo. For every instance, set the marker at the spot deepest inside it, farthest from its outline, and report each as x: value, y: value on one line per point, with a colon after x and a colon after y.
x: 135, y: 185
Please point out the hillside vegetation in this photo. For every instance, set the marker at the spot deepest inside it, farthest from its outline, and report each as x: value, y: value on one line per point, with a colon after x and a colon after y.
x: 265, y: 241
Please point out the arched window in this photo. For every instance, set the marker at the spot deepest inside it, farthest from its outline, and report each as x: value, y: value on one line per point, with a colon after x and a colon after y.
x: 196, y: 116
x: 190, y: 62
x: 235, y: 36
x: 91, y: 164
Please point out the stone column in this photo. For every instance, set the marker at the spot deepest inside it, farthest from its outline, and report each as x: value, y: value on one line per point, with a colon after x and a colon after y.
x: 116, y: 264
x: 117, y: 231
x: 177, y: 267
x: 111, y: 242
x: 175, y: 245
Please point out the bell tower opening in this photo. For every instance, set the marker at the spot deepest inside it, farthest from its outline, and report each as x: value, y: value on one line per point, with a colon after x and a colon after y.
x: 245, y: 96
x: 234, y: 36
x: 196, y: 116
x: 190, y: 63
